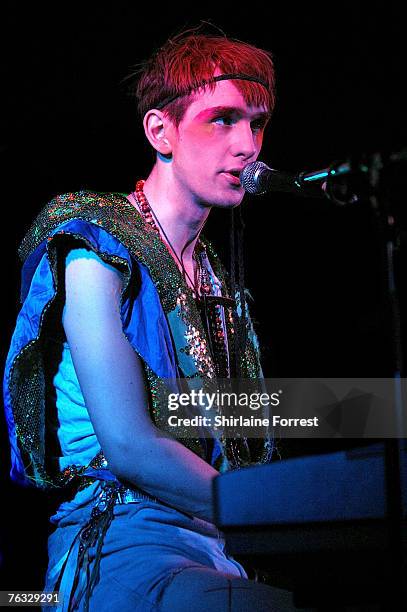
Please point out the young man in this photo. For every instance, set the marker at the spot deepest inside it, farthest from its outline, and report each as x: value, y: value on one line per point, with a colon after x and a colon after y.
x: 120, y: 293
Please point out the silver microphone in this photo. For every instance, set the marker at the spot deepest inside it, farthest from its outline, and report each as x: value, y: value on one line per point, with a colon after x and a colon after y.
x: 257, y: 178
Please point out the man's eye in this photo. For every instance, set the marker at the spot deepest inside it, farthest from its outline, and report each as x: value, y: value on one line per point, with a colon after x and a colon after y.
x: 223, y: 120
x: 257, y: 126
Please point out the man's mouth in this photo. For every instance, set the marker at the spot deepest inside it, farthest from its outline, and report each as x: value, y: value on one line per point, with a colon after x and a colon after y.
x: 233, y: 176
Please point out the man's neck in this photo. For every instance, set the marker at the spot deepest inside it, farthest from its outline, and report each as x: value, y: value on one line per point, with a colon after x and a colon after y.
x: 181, y: 219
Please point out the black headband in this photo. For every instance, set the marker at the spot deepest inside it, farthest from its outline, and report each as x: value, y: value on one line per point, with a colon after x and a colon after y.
x: 221, y: 77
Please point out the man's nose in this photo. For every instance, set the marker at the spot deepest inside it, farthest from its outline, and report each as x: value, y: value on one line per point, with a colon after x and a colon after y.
x: 244, y: 143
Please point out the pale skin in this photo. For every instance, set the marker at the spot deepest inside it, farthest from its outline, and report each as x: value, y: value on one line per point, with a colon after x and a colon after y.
x: 188, y: 179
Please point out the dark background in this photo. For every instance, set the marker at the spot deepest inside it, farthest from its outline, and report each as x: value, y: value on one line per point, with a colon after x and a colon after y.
x: 313, y: 268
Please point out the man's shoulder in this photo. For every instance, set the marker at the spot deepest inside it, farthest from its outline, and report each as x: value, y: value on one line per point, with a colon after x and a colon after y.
x: 104, y: 209
x: 74, y: 202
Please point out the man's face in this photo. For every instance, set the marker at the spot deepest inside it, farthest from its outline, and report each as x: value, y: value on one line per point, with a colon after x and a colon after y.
x: 218, y: 135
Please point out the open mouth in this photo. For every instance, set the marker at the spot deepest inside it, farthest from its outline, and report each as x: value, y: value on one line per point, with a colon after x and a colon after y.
x: 233, y: 176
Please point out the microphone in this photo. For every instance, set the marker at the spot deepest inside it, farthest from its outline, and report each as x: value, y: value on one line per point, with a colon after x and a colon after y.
x: 257, y: 178
x: 345, y: 182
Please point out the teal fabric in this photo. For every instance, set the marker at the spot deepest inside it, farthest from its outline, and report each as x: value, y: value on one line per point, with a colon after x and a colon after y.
x: 72, y: 427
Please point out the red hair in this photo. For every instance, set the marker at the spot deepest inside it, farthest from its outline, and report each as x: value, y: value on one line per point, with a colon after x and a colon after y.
x: 184, y: 62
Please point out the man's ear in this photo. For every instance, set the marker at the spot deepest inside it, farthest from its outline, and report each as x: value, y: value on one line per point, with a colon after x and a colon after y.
x: 156, y: 128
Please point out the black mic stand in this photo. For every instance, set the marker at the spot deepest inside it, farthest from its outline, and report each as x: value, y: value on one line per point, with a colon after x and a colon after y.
x: 343, y: 183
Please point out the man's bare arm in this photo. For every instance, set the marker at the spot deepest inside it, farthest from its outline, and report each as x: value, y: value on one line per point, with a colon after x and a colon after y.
x: 112, y: 382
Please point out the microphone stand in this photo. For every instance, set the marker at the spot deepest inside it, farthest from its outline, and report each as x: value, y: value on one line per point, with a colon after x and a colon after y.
x: 368, y: 174
x: 392, y: 446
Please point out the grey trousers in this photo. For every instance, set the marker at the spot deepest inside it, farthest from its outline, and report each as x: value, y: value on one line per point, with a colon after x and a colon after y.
x: 155, y: 558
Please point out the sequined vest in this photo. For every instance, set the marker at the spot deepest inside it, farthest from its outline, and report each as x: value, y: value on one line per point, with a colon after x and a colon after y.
x: 25, y: 372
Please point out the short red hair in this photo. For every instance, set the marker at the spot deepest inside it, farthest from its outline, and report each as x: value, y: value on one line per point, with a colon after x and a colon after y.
x: 185, y: 61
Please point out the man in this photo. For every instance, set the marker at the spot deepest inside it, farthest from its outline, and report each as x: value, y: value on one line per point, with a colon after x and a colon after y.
x: 120, y: 293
